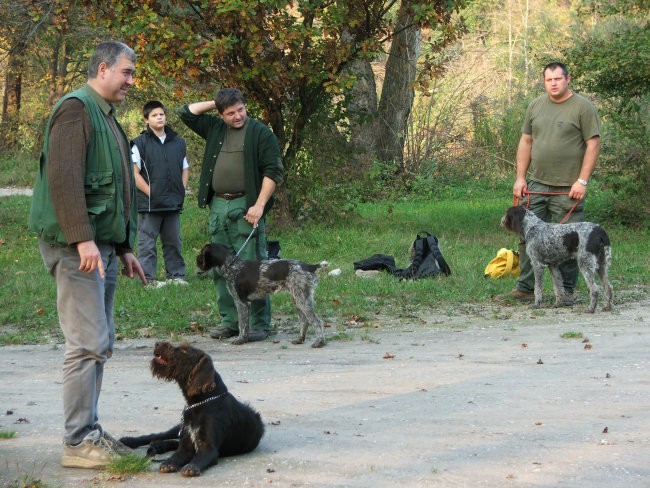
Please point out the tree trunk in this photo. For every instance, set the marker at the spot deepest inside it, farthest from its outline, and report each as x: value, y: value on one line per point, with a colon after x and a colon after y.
x: 12, y: 96
x: 397, y: 92
x: 362, y: 110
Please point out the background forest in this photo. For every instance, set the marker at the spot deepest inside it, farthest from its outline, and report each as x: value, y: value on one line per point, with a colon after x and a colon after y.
x: 370, y: 99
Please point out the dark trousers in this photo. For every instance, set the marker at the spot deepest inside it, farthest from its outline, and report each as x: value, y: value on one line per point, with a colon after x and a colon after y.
x: 167, y: 225
x: 228, y: 227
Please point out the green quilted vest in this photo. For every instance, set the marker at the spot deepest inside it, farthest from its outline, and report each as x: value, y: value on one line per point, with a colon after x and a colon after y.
x: 103, y: 184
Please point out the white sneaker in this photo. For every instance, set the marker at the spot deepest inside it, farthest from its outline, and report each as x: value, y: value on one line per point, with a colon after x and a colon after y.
x: 156, y: 284
x: 94, y: 451
x: 177, y: 281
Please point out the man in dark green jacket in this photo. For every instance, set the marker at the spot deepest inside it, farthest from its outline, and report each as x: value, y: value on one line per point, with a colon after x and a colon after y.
x: 85, y: 215
x: 241, y: 168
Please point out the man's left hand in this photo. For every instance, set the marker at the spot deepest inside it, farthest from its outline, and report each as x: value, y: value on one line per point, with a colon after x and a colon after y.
x: 578, y: 191
x: 132, y: 266
x: 254, y: 214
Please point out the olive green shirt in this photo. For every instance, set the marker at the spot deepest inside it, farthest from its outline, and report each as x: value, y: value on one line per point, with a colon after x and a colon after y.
x: 228, y: 176
x: 560, y: 132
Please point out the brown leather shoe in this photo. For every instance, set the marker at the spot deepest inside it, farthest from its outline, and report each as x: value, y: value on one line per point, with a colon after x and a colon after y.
x: 224, y: 333
x: 257, y: 335
x: 516, y: 295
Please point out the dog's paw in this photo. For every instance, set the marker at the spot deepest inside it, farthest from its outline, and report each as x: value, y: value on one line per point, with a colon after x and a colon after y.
x: 129, y: 442
x: 320, y: 342
x: 240, y: 340
x: 167, y: 467
x: 190, y: 470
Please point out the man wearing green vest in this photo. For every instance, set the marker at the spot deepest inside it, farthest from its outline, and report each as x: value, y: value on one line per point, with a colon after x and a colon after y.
x: 85, y: 214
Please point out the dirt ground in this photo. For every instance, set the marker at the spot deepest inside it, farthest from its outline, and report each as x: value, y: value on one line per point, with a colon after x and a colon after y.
x: 449, y: 401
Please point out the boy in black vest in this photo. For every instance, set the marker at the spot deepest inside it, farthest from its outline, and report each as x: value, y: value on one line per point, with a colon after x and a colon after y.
x: 161, y: 171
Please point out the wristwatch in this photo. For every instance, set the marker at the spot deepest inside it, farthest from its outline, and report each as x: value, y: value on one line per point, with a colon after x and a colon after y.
x: 582, y: 182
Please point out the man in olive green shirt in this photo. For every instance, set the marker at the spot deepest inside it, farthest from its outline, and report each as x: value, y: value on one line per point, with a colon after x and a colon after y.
x: 557, y: 153
x: 240, y: 170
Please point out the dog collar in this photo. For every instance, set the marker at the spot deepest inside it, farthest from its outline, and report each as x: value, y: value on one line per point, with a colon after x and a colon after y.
x: 190, y: 407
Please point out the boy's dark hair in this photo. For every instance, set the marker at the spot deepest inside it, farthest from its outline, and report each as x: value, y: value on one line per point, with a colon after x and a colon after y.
x: 150, y: 106
x: 555, y: 65
x: 227, y: 97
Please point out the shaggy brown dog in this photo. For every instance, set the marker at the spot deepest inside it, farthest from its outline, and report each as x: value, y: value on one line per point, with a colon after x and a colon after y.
x: 213, y: 424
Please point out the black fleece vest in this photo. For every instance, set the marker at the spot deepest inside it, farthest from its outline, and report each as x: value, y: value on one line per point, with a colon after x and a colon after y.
x: 162, y: 168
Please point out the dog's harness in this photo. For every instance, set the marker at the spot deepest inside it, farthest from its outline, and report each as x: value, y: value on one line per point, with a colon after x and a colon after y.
x: 515, y: 200
x: 190, y: 407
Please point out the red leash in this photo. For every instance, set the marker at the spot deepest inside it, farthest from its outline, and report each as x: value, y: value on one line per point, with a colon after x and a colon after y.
x: 515, y: 200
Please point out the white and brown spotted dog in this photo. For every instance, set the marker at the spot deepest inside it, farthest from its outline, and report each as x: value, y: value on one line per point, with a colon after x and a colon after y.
x: 251, y: 280
x: 549, y: 245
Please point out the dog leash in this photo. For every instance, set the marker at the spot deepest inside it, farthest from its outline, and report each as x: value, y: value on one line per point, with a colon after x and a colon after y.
x: 515, y: 200
x: 190, y: 407
x: 246, y: 241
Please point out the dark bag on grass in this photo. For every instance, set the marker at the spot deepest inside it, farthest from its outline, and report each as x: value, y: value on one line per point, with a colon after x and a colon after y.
x: 427, y: 259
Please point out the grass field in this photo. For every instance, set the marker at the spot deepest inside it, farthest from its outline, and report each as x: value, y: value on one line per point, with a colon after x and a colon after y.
x: 466, y: 222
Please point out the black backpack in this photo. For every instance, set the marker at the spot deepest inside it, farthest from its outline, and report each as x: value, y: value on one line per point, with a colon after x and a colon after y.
x: 426, y: 259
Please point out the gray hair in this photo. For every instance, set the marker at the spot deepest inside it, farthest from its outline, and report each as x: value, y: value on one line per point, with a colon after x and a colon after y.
x: 108, y: 52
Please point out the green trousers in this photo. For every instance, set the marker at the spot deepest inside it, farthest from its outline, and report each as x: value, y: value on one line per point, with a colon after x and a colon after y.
x: 550, y: 208
x: 227, y: 226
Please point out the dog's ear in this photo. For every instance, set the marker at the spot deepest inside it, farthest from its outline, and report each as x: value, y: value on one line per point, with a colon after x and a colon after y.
x: 202, y: 259
x: 201, y: 378
x: 514, y: 219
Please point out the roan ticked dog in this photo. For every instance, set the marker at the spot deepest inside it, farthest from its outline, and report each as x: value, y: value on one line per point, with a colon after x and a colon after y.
x: 252, y: 280
x: 214, y: 423
x: 549, y: 245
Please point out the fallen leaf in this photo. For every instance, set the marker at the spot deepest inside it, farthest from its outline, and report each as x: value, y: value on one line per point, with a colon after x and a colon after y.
x: 588, y: 346
x: 585, y: 340
x: 389, y: 356
x: 605, y: 430
x: 539, y: 361
x: 524, y: 345
x: 538, y: 423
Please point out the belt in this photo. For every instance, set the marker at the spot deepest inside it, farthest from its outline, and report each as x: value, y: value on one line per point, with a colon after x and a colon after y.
x: 229, y: 196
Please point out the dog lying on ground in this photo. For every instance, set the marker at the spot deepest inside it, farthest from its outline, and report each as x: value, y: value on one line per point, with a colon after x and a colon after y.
x: 552, y: 244
x: 213, y: 424
x: 252, y: 280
